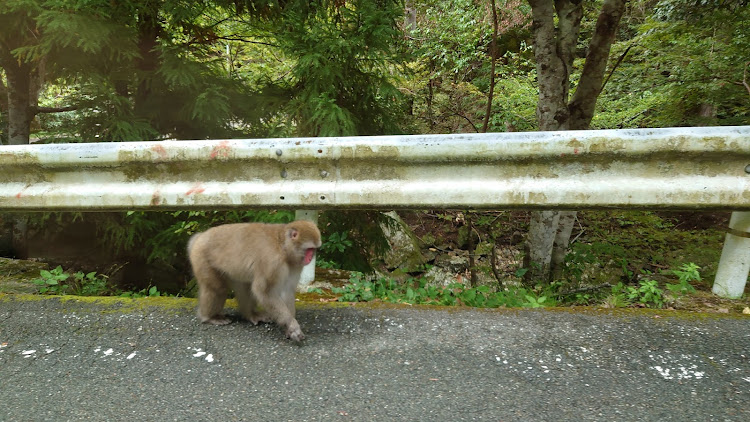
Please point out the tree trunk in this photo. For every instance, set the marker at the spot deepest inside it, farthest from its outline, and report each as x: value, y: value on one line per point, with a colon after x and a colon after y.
x: 3, y: 97
x: 410, y: 17
x: 149, y: 30
x: 430, y: 93
x: 562, y: 240
x: 20, y: 111
x: 554, y: 51
x: 539, y: 245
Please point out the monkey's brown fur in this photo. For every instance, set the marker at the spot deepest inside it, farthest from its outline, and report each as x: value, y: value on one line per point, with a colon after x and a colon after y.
x: 260, y: 262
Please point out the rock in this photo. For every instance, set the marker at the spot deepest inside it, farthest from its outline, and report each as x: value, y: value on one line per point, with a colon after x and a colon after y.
x: 454, y: 261
x: 439, y: 277
x: 405, y: 249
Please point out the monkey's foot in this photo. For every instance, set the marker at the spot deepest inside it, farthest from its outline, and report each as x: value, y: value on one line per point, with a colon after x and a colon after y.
x: 217, y: 320
x: 294, y: 332
x: 258, y: 318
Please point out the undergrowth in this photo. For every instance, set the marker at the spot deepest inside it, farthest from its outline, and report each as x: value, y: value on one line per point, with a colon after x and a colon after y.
x: 619, y: 259
x: 418, y: 291
x: 59, y: 282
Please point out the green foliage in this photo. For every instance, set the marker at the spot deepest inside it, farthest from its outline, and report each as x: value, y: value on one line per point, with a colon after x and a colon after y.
x: 89, y: 284
x: 173, y: 69
x: 534, y: 302
x: 514, y: 105
x: 418, y: 291
x: 647, y: 293
x: 616, y: 236
x: 584, y: 256
x: 451, y: 44
x: 164, y: 235
x: 51, y: 282
x: 345, y: 54
x: 640, y: 244
x: 152, y: 291
x: 686, y: 274
x: 684, y: 67
x: 362, y: 239
x: 336, y: 242
x: 59, y: 282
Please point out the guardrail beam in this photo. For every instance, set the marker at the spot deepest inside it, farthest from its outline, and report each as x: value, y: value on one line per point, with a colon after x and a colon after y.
x: 679, y: 168
x: 703, y: 168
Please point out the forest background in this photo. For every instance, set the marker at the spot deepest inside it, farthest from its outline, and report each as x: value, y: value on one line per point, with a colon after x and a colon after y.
x: 118, y: 71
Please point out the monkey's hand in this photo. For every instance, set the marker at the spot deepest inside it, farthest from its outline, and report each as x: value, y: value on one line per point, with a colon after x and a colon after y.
x: 294, y: 331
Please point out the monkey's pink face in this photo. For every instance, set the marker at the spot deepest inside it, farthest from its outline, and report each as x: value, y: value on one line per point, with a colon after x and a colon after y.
x: 309, y: 255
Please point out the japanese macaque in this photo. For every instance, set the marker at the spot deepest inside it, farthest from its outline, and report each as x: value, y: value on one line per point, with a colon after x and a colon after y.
x: 260, y: 262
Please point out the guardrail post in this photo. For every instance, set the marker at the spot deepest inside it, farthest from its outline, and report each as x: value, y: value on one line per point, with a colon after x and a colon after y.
x: 308, y: 271
x: 734, y: 264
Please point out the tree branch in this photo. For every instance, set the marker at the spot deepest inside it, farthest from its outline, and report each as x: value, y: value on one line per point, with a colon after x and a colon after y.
x: 493, y: 58
x: 473, y: 126
x: 38, y: 110
x: 622, y: 56
x: 493, y: 264
x: 245, y: 40
x: 584, y: 101
x: 569, y: 15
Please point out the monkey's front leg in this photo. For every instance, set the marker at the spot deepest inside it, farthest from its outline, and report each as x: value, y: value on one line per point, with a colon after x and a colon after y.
x: 275, y: 307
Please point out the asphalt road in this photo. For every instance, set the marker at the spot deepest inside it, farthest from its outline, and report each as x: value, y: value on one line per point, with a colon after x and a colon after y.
x: 150, y: 360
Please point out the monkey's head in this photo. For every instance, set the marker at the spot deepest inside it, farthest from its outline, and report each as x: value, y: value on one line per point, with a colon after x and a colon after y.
x: 302, y: 240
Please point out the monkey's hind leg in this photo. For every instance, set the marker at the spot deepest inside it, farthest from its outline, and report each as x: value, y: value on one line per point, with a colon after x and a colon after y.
x: 247, y: 304
x: 212, y: 293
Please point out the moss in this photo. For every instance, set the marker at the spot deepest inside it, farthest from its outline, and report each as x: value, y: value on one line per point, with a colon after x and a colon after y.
x: 16, y: 275
x: 112, y: 304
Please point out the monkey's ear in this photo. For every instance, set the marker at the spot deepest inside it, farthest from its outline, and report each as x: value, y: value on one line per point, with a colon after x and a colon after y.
x: 293, y: 234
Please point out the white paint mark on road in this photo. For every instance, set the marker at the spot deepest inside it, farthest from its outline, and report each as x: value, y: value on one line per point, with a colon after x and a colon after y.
x: 677, y: 367
x: 110, y: 352
x: 199, y: 353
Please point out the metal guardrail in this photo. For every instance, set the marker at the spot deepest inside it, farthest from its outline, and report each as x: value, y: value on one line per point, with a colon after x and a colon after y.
x: 678, y: 168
